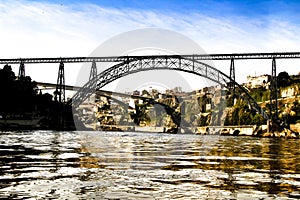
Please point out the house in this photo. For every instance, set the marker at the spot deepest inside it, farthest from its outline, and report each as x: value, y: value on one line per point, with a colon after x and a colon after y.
x: 258, y: 81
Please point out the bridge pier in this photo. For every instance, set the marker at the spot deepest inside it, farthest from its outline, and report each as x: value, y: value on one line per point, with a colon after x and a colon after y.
x: 60, y: 86
x: 21, y: 70
x: 93, y: 72
x: 273, y: 93
x: 232, y: 74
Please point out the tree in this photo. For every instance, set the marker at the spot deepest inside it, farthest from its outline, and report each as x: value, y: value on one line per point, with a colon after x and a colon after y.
x: 145, y: 92
x: 283, y: 79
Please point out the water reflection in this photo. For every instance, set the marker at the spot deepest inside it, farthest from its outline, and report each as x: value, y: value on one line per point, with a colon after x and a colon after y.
x: 104, y: 165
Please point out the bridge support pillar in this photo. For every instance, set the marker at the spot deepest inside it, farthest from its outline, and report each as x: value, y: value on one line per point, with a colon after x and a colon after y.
x: 21, y: 70
x: 232, y: 75
x: 273, y: 93
x: 60, y: 86
x: 93, y: 72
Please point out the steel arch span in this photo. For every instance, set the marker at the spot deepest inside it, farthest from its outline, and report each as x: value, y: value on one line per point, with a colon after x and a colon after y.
x: 175, y: 62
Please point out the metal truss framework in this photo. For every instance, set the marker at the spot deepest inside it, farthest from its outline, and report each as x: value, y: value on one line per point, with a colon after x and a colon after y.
x: 235, y: 56
x: 194, y: 57
x: 93, y: 72
x: 232, y: 74
x: 60, y: 86
x: 146, y: 63
x: 274, y: 92
x: 21, y: 70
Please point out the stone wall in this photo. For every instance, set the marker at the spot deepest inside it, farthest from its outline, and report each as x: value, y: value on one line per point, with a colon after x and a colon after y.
x: 226, y: 130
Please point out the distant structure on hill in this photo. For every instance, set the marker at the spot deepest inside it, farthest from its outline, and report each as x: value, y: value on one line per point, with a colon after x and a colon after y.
x: 258, y: 81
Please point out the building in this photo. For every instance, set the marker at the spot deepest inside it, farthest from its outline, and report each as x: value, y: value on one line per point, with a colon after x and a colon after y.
x: 136, y: 93
x: 258, y: 81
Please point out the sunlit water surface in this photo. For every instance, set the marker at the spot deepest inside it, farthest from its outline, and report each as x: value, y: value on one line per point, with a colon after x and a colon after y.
x: 111, y: 165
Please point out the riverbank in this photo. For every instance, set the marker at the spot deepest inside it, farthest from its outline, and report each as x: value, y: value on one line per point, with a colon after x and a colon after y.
x: 249, y: 130
x: 243, y: 130
x: 39, y: 123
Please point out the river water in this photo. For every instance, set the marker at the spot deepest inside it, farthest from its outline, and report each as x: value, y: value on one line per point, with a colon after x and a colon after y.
x: 115, y: 165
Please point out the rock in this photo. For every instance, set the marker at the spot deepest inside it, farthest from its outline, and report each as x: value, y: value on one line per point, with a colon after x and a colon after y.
x: 267, y: 134
x: 236, y: 132
x: 258, y: 131
x: 288, y: 133
x: 225, y: 132
x: 281, y: 134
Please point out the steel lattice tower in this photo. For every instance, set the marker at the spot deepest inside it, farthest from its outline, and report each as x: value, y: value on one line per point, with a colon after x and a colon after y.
x: 232, y: 74
x: 273, y: 92
x: 93, y: 72
x: 21, y: 70
x: 60, y: 86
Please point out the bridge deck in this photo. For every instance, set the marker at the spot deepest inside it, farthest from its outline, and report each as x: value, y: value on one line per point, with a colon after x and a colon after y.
x: 236, y: 56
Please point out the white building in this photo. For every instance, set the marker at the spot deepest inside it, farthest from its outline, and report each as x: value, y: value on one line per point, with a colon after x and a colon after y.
x: 258, y: 81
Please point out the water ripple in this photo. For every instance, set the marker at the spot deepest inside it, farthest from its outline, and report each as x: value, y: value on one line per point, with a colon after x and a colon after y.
x: 105, y: 165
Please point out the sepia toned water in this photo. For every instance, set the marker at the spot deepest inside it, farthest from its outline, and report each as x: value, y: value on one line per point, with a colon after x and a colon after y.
x: 113, y: 165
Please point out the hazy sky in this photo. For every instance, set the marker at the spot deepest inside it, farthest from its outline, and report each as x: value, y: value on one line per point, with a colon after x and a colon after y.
x: 75, y: 28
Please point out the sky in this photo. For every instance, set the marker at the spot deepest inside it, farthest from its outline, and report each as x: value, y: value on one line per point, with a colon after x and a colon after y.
x: 61, y: 28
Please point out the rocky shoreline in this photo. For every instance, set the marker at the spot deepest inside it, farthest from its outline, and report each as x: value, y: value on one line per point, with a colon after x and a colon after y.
x: 254, y: 132
x: 286, y: 133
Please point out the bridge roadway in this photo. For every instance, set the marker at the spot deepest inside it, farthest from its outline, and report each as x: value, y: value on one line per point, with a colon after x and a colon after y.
x: 100, y: 92
x: 53, y: 86
x: 109, y: 94
x: 235, y: 56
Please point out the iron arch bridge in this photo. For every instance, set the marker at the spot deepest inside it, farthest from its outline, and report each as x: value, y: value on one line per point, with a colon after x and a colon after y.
x: 172, y: 62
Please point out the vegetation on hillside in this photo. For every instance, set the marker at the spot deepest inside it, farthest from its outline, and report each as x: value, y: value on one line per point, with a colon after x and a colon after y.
x: 289, y: 111
x: 21, y: 99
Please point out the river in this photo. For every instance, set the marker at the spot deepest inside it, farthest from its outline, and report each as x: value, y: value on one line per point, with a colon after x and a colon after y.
x: 118, y: 165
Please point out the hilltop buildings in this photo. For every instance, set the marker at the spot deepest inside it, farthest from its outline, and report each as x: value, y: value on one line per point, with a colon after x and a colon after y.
x: 258, y: 81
